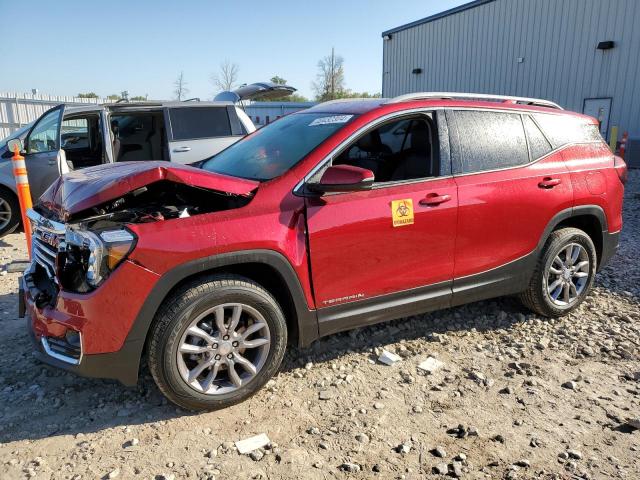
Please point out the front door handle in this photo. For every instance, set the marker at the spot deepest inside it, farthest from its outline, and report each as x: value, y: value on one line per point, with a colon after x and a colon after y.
x: 549, y: 182
x: 52, y: 162
x: 433, y: 199
x: 181, y: 149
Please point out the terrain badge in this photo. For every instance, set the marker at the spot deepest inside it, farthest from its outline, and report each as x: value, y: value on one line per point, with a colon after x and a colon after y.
x: 402, y: 212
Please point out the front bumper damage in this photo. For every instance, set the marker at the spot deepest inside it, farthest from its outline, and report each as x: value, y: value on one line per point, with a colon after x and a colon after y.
x: 89, y: 334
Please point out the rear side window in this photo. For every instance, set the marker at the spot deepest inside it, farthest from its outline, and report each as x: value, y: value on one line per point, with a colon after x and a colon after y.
x: 199, y: 122
x: 539, y: 146
x: 485, y: 140
x: 563, y: 129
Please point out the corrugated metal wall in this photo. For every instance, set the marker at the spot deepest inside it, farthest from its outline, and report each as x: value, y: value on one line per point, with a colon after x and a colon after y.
x: 477, y: 50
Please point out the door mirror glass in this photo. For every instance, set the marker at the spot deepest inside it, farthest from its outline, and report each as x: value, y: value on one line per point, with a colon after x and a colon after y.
x: 11, y: 145
x: 343, y: 178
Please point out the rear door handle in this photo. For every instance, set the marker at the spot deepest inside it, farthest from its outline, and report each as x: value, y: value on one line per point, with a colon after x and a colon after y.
x: 52, y: 162
x: 549, y: 182
x: 433, y: 199
x: 181, y: 149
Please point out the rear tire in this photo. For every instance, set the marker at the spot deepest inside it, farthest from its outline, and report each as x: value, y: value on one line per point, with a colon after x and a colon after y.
x: 564, y: 274
x: 9, y: 212
x: 201, y: 364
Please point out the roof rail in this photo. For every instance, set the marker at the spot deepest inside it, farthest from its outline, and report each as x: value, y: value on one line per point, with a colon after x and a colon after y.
x: 475, y: 96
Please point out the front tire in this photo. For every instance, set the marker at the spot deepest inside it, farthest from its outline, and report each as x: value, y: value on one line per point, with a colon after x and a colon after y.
x: 564, y: 274
x: 216, y: 342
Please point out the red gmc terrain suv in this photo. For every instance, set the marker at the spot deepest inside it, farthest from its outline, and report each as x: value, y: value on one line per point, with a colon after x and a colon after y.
x: 343, y: 215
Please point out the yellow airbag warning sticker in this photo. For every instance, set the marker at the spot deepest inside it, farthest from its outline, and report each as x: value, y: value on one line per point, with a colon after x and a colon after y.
x: 402, y: 212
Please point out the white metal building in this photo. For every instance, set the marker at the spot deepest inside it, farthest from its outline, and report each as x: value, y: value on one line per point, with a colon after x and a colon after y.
x: 582, y: 54
x: 262, y: 113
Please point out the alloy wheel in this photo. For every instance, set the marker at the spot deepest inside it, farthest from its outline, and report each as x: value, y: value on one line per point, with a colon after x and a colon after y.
x: 5, y: 213
x: 568, y: 274
x: 223, y: 348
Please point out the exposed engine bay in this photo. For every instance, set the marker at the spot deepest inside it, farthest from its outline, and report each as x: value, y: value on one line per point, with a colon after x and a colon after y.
x: 164, y: 200
x: 79, y: 255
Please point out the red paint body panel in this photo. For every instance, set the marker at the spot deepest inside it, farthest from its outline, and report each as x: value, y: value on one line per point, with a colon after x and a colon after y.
x: 82, y: 189
x: 595, y: 181
x: 503, y: 214
x: 104, y: 316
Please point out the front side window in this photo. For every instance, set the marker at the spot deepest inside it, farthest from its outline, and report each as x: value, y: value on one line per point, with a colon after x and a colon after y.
x: 271, y: 151
x: 44, y: 136
x: 190, y: 123
x: 398, y: 150
x: 486, y: 140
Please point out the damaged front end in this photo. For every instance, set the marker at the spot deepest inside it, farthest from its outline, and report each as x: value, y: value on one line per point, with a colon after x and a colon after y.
x: 80, y: 229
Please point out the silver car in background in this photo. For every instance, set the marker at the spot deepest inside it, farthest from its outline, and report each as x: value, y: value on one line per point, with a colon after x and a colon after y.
x: 67, y: 138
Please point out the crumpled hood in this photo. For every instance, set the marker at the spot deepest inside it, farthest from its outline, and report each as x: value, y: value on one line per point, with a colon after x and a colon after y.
x: 93, y: 186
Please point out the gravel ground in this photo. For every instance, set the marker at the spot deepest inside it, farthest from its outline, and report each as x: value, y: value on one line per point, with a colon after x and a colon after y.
x: 515, y: 396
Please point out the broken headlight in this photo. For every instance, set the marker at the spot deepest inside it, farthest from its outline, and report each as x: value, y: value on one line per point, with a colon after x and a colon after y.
x: 87, y: 258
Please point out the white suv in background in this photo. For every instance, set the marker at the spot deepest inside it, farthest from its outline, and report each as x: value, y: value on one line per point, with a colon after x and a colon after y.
x: 73, y: 137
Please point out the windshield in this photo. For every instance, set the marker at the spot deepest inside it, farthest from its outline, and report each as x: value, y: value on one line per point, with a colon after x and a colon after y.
x: 269, y: 152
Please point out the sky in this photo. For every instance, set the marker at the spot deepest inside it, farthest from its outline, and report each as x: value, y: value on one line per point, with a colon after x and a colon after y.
x: 67, y: 47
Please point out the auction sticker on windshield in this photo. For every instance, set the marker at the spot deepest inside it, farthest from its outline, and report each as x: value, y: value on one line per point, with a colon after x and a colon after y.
x: 331, y: 120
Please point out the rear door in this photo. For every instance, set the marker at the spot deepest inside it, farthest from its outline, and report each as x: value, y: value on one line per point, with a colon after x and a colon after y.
x: 199, y: 132
x: 44, y: 158
x: 510, y: 185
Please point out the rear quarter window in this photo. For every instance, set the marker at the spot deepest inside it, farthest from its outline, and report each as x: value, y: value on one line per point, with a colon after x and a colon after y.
x: 564, y: 129
x: 486, y: 140
x: 199, y: 122
x: 539, y: 146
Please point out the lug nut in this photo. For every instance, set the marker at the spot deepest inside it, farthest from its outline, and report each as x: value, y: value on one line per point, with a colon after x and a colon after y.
x: 229, y: 356
x: 218, y: 357
x: 235, y: 344
x: 226, y: 337
x: 215, y: 345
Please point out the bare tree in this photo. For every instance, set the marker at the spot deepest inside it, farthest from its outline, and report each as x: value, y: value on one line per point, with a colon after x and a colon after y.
x: 329, y: 82
x: 227, y: 78
x: 180, y: 85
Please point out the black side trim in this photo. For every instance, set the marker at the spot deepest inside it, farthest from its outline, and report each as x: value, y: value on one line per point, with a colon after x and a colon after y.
x: 504, y: 280
x: 609, y: 248
x: 385, y: 307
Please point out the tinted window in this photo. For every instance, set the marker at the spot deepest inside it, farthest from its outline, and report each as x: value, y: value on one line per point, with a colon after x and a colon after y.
x: 396, y: 151
x: 269, y: 152
x: 539, y: 146
x: 199, y: 122
x: 488, y: 141
x: 563, y: 129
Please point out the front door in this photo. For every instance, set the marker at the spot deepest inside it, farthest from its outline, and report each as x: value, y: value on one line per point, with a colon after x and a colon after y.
x: 379, y: 253
x: 44, y: 158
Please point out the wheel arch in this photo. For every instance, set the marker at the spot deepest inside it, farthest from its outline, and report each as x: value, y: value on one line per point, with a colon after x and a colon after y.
x: 589, y: 218
x: 267, y: 267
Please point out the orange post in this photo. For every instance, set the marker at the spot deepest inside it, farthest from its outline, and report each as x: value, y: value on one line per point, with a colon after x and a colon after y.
x: 623, y: 144
x: 24, y: 193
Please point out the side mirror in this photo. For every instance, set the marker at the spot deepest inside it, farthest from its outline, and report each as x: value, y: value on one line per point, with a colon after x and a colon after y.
x: 343, y: 178
x: 11, y: 145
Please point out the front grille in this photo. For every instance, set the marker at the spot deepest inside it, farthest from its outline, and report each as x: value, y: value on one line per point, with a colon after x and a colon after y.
x: 44, y: 254
x: 46, y: 236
